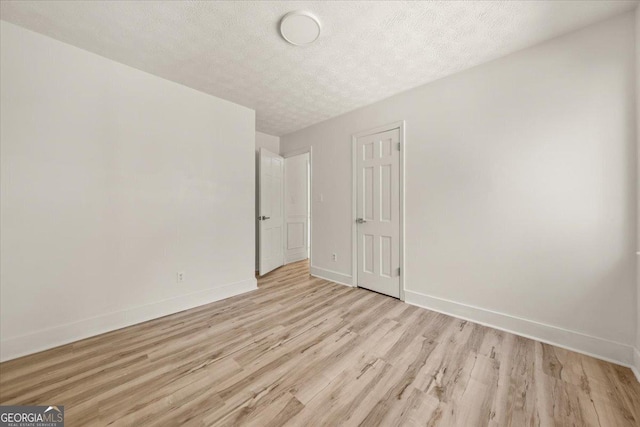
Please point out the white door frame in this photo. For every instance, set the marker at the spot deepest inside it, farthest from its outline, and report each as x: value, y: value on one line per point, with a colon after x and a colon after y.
x: 297, y: 152
x: 354, y: 192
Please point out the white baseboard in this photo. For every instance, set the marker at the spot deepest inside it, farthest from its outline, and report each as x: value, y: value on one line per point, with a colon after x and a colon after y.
x: 636, y: 363
x: 12, y: 348
x: 332, y: 276
x: 600, y: 348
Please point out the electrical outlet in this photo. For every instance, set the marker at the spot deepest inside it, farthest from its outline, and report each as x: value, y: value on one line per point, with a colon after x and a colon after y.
x: 334, y: 257
x: 180, y: 276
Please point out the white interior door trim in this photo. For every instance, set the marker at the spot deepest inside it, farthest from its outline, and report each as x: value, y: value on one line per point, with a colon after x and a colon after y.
x: 297, y: 152
x: 400, y: 125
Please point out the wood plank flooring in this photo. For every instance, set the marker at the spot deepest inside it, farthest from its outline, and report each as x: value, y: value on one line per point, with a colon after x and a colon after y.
x: 302, y: 351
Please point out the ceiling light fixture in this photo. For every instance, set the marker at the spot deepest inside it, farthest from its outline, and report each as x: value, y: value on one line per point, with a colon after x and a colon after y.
x: 300, y: 28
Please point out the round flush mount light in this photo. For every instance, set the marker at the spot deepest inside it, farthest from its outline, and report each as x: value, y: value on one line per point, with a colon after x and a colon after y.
x: 300, y: 28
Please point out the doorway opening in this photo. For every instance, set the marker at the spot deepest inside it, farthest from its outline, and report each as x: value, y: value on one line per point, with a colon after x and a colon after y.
x: 284, y: 208
x: 297, y: 206
x: 378, y: 208
x: 270, y: 221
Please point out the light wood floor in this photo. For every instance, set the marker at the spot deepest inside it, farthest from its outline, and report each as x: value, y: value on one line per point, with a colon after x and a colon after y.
x: 302, y: 351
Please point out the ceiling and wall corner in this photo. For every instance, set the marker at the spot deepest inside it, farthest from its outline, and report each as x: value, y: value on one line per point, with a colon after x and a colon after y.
x: 367, y: 51
x: 270, y: 142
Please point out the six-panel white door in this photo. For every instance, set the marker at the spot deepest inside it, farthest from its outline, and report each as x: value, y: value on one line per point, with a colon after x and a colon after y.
x: 378, y: 212
x: 271, y: 218
x: 296, y: 208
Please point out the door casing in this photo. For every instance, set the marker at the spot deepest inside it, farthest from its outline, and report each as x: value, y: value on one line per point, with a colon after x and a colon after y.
x: 400, y: 125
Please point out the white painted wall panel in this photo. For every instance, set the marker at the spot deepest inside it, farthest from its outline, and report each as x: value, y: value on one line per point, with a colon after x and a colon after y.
x: 113, y: 180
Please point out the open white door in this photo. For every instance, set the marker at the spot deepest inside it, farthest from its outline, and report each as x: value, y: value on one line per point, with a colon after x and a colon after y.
x: 378, y: 212
x: 296, y: 195
x: 271, y: 218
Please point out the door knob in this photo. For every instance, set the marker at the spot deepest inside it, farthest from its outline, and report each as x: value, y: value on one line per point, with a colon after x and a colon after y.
x: 361, y: 220
x: 262, y: 218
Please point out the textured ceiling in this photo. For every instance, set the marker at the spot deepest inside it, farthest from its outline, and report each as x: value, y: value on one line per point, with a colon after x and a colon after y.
x: 367, y: 51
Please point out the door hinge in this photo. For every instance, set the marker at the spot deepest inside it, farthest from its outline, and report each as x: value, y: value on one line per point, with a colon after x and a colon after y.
x: 398, y: 146
x: 398, y: 271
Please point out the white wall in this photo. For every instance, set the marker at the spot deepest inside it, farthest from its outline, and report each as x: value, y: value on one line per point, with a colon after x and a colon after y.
x: 520, y: 190
x: 113, y: 180
x: 271, y: 143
